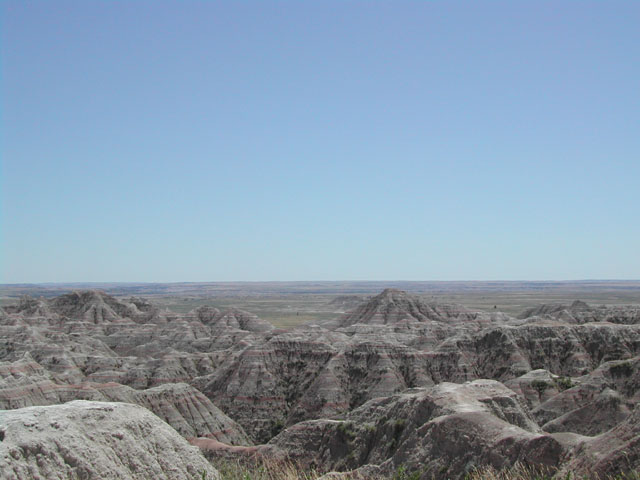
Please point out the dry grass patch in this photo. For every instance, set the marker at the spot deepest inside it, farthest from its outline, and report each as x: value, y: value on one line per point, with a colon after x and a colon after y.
x: 287, y: 470
x: 263, y: 470
x: 523, y: 472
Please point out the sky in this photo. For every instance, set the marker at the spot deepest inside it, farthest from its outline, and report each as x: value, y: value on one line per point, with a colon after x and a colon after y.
x: 166, y: 141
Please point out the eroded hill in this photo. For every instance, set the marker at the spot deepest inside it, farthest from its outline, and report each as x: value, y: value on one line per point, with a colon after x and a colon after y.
x: 395, y: 381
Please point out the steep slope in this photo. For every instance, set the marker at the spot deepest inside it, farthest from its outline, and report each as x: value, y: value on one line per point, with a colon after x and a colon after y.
x: 92, y: 306
x: 233, y: 318
x: 575, y: 367
x: 581, y: 312
x: 25, y: 383
x: 595, y: 402
x: 95, y: 440
x: 613, y: 453
x: 442, y: 431
x: 393, y: 306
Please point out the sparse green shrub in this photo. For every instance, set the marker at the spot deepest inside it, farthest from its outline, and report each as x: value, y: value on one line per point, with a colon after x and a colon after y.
x: 403, y: 474
x: 540, y: 386
x: 276, y: 427
x: 397, y: 427
x: 563, y: 383
x: 369, y: 428
x: 346, y: 430
x: 623, y: 369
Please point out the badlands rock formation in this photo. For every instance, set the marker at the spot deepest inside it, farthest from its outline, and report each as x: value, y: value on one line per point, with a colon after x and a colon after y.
x: 396, y: 381
x: 580, y: 312
x: 188, y: 411
x: 441, y: 429
x: 95, y: 440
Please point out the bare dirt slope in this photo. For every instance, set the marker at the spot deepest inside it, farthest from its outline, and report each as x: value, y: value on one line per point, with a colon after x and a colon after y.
x: 398, y: 380
x: 95, y: 440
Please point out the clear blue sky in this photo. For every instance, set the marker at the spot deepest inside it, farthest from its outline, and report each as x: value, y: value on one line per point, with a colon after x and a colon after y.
x: 203, y: 141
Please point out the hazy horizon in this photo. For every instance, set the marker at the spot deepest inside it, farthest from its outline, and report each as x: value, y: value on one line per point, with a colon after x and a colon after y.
x: 337, y: 281
x: 162, y: 142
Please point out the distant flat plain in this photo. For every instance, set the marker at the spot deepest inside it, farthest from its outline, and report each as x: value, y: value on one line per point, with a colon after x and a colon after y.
x: 287, y: 304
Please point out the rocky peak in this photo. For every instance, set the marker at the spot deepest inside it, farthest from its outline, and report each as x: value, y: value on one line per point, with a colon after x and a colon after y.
x: 392, y: 306
x: 245, y: 320
x: 142, y: 304
x: 579, y: 305
x: 230, y: 318
x: 206, y: 314
x: 94, y: 306
x: 32, y: 307
x: 392, y: 293
x: 544, y: 309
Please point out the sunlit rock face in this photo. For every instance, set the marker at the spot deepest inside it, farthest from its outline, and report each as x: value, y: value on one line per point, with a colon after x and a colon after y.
x: 571, y: 370
x: 95, y: 440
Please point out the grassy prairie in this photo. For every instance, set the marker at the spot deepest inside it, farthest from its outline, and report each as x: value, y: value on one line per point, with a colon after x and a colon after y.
x: 288, y: 311
x: 287, y: 304
x: 283, y: 311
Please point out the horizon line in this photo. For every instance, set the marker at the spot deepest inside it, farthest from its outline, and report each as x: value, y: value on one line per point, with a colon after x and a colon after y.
x: 132, y: 282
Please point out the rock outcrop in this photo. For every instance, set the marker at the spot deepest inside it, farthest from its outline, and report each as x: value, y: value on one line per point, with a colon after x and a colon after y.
x: 95, y: 440
x: 233, y: 318
x: 445, y: 429
x: 615, y: 452
x: 25, y: 383
x: 472, y: 388
x: 393, y: 306
x: 581, y: 312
